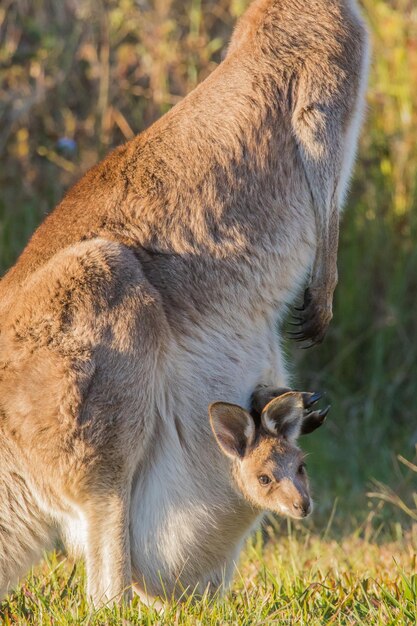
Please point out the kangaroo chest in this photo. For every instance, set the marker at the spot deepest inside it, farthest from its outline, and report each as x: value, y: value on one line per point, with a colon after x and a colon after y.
x: 187, y: 522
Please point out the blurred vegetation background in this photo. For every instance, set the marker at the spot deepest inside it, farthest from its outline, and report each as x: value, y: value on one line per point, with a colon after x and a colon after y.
x: 78, y: 77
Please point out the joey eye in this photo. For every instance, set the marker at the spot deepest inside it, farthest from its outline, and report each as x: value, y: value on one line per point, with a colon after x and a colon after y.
x: 302, y: 468
x: 264, y: 480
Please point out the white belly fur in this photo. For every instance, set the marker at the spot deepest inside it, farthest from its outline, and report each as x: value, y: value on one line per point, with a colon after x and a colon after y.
x: 187, y: 522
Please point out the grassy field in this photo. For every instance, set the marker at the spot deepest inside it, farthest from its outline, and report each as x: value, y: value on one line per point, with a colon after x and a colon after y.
x: 304, y: 578
x: 96, y: 73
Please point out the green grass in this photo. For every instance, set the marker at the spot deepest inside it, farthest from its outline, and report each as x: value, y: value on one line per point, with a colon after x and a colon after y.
x: 99, y: 73
x: 298, y: 578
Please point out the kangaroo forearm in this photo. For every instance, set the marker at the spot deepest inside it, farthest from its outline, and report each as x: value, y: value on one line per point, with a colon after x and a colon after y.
x: 324, y: 275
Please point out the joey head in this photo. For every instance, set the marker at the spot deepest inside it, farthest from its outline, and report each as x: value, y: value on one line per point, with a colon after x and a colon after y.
x: 267, y: 466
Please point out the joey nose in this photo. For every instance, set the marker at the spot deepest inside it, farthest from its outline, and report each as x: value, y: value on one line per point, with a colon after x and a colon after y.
x: 302, y: 508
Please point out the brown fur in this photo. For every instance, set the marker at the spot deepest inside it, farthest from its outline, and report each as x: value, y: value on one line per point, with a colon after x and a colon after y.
x: 268, y: 449
x: 289, y: 491
x: 154, y: 286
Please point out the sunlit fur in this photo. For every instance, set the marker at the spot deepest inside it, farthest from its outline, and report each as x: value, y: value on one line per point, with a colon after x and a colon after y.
x: 155, y: 288
x: 282, y: 461
x: 266, y: 466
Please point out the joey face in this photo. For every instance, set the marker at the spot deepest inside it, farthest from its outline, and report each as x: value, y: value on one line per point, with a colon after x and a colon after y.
x: 268, y: 468
x: 272, y: 475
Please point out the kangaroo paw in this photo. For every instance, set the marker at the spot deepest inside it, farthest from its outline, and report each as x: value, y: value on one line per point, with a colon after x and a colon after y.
x: 262, y: 395
x: 312, y: 319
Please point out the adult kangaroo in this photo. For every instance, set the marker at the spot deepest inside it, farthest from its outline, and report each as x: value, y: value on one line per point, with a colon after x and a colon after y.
x: 155, y: 288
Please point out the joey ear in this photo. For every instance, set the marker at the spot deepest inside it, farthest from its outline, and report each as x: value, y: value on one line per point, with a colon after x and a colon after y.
x: 283, y: 415
x: 313, y: 421
x: 233, y: 428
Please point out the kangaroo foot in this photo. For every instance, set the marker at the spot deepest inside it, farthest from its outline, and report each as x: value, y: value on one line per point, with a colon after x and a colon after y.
x: 263, y: 394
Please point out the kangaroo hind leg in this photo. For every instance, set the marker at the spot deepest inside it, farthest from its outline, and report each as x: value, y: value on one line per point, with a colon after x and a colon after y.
x: 82, y: 343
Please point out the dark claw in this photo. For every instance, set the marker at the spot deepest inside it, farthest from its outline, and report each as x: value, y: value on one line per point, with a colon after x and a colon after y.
x: 310, y: 345
x: 311, y: 398
x: 311, y: 321
x: 307, y: 297
x: 299, y: 338
x: 296, y: 335
x: 314, y: 420
x: 319, y: 416
x: 324, y: 413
